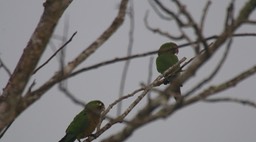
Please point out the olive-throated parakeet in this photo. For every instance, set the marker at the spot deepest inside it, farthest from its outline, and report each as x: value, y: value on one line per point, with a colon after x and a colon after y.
x: 85, y: 122
x: 166, y: 58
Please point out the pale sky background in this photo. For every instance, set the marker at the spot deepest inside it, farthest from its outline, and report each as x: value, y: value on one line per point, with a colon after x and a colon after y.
x: 47, y: 119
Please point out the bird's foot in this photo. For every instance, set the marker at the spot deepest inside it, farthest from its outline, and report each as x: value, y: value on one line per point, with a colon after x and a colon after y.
x: 93, y: 135
x: 166, y: 81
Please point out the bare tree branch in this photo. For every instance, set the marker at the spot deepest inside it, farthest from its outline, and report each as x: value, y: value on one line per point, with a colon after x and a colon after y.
x: 11, y: 95
x: 230, y: 15
x: 2, y: 64
x: 54, y: 54
x: 144, y: 116
x: 60, y: 75
x: 14, y: 104
x: 232, y: 100
x: 171, y: 13
x: 205, y: 12
x: 70, y: 95
x: 158, y: 11
x: 223, y: 86
x: 150, y: 73
x: 146, y: 89
x: 129, y: 52
x: 159, y: 31
x: 215, y: 71
x: 159, y: 105
x: 192, y: 23
x: 202, y: 58
x: 119, y: 59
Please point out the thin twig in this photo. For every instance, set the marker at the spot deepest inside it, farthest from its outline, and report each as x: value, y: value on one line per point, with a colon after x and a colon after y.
x: 71, y: 96
x: 2, y: 64
x: 233, y: 100
x: 64, y: 38
x: 230, y: 15
x: 31, y: 86
x: 157, y: 11
x: 215, y: 71
x: 5, y: 130
x: 170, y: 109
x: 223, y: 86
x: 63, y: 85
x: 169, y: 12
x: 186, y: 37
x: 119, y: 59
x: 121, y: 99
x: 129, y: 52
x: 192, y: 22
x: 159, y: 31
x: 150, y: 73
x: 64, y: 45
x: 205, y: 12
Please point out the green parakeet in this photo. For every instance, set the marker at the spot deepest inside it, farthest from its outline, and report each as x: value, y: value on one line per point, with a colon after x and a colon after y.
x: 167, y: 58
x: 85, y: 122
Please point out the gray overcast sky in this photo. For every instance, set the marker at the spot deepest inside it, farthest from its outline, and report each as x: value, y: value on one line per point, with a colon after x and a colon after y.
x: 48, y: 118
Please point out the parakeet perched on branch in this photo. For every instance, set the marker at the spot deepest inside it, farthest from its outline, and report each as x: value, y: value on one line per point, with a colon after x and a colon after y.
x: 85, y: 122
x: 166, y: 59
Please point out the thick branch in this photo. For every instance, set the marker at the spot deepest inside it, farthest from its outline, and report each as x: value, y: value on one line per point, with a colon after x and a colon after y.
x: 29, y: 59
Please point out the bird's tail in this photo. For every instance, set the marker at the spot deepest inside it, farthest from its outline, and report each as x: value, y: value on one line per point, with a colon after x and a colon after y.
x: 68, y: 138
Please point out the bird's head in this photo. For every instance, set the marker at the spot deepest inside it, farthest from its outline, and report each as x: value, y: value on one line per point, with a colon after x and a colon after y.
x: 168, y: 47
x: 96, y: 106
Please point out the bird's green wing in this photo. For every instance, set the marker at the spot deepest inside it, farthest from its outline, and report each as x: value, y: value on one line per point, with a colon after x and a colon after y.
x: 166, y: 59
x: 166, y: 56
x: 163, y: 62
x: 76, y: 127
x: 79, y: 123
